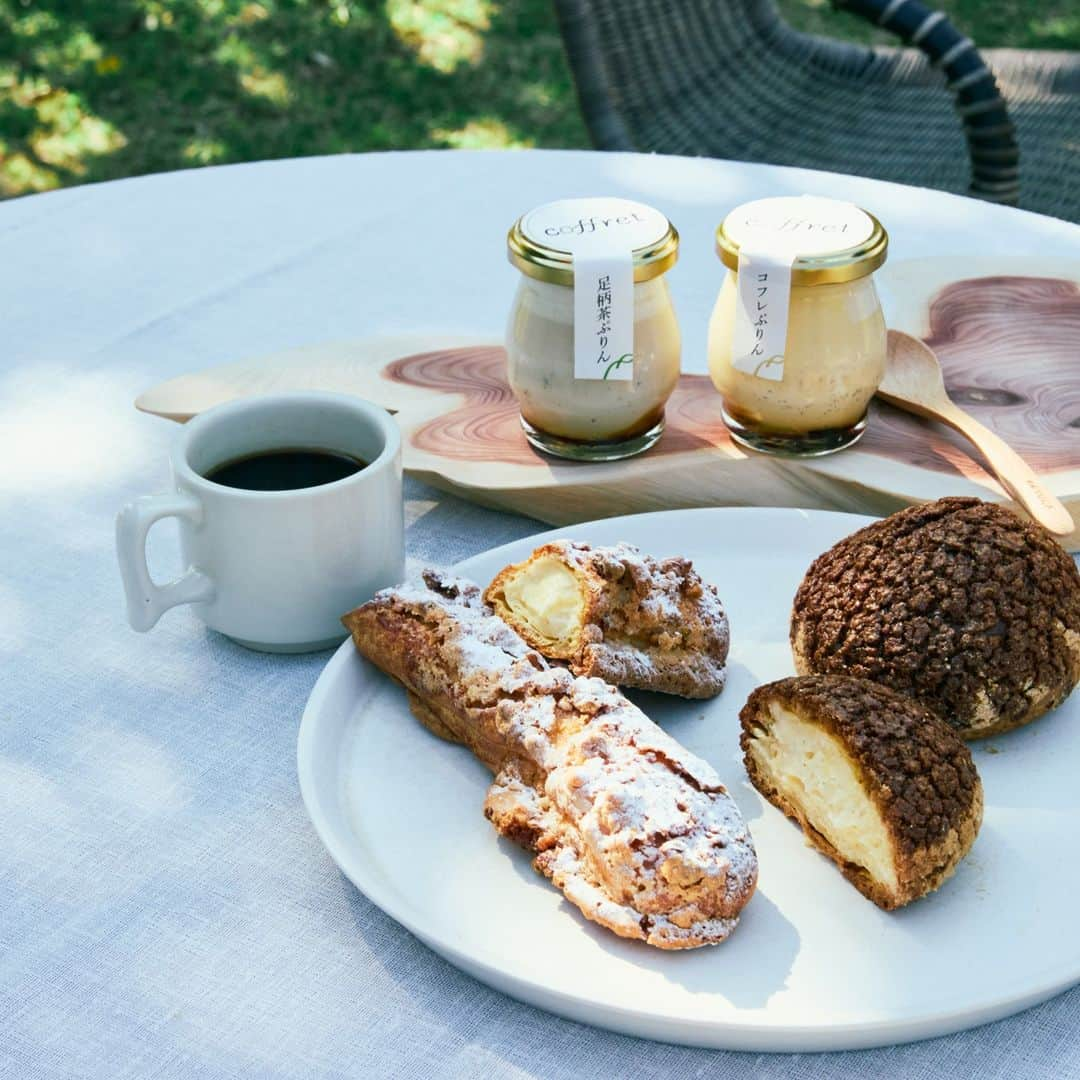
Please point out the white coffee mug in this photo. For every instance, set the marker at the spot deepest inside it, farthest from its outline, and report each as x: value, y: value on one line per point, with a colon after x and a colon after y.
x: 274, y: 570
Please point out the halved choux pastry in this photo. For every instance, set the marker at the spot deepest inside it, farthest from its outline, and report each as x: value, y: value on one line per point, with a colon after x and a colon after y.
x: 614, y: 613
x: 876, y: 781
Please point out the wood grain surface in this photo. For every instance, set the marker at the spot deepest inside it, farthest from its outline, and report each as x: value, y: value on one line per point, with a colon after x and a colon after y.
x: 1007, y: 332
x: 484, y: 426
x: 1010, y: 351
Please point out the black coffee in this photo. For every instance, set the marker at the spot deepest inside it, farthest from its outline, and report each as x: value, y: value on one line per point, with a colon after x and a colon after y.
x: 285, y: 470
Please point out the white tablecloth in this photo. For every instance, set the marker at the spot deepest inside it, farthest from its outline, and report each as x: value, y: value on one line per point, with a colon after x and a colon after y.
x: 165, y: 908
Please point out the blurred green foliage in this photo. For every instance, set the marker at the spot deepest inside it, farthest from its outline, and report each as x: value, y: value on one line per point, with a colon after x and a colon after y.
x: 1014, y: 24
x: 98, y: 89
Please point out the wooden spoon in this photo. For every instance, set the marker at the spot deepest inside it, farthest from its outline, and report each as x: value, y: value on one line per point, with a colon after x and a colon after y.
x: 913, y: 381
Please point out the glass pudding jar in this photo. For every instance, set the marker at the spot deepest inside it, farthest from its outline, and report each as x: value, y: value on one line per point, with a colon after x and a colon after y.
x: 797, y: 342
x: 592, y: 343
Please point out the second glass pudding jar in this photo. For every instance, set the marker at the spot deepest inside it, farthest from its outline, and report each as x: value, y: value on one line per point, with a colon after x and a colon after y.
x: 593, y: 345
x: 797, y: 341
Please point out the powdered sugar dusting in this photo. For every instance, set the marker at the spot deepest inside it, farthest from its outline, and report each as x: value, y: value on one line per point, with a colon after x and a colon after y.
x: 569, y: 874
x: 481, y: 644
x: 652, y: 623
x: 639, y: 833
x: 641, y: 800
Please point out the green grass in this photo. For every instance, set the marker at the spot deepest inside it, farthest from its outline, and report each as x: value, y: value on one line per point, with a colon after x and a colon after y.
x: 98, y: 89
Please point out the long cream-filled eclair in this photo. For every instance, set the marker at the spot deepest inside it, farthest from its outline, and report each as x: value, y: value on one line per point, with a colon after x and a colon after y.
x: 637, y: 832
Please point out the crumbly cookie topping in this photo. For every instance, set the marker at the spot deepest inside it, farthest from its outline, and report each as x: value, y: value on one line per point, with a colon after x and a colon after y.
x: 957, y: 603
x: 638, y: 832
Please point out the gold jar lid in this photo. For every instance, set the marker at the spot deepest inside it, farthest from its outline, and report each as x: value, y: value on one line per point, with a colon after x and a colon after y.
x: 835, y: 241
x: 542, y: 243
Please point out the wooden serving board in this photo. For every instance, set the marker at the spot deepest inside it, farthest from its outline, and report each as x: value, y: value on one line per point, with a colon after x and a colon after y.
x: 1007, y: 331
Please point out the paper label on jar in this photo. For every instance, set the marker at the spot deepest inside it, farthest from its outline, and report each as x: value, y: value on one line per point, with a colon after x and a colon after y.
x: 604, y: 315
x: 600, y: 235
x: 761, y: 312
x: 772, y: 234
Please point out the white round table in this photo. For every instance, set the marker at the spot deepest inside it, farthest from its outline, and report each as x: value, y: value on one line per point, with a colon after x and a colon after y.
x: 165, y: 908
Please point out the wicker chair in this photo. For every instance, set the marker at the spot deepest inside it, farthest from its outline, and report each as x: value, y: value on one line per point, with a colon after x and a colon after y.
x: 730, y: 79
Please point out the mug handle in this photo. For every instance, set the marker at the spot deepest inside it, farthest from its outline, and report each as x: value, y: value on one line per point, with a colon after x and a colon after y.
x: 147, y: 602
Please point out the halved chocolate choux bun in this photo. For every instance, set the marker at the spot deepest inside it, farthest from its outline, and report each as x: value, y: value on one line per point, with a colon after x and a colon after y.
x: 877, y: 783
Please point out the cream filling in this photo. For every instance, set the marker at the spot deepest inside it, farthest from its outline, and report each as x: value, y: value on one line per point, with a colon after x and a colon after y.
x: 834, y: 358
x: 540, y: 364
x: 545, y: 594
x: 812, y: 770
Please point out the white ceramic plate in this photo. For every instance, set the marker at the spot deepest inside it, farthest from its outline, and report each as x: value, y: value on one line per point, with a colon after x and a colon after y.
x: 813, y: 965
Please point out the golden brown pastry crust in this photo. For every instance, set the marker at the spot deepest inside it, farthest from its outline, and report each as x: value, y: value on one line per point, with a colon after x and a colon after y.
x: 958, y: 603
x: 637, y: 832
x: 912, y: 766
x: 648, y: 623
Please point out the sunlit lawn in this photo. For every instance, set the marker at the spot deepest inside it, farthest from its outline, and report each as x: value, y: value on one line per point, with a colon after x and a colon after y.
x: 98, y: 89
